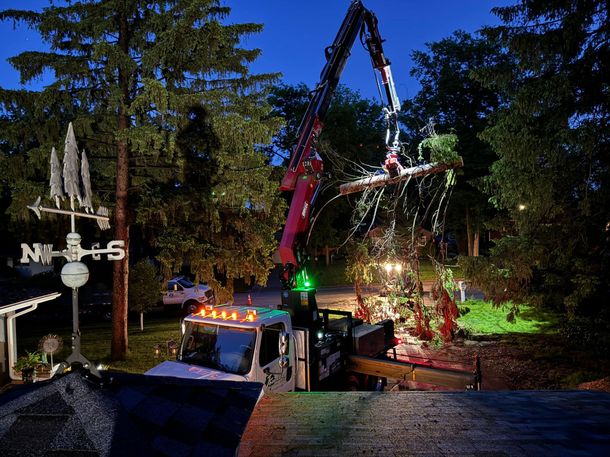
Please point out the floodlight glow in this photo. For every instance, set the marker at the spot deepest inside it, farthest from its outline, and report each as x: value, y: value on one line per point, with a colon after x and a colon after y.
x: 398, y: 267
x: 388, y: 267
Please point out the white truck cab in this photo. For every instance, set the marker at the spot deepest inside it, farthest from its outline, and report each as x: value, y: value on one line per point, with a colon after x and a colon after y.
x: 236, y: 343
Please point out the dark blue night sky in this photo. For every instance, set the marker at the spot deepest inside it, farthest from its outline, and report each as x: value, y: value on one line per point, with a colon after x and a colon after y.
x: 297, y: 31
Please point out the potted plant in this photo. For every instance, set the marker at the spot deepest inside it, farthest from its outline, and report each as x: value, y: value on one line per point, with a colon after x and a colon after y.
x: 26, y: 365
x: 43, y: 368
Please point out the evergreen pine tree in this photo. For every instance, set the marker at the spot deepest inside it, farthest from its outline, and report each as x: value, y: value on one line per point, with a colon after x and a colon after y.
x: 132, y: 75
x: 553, y: 172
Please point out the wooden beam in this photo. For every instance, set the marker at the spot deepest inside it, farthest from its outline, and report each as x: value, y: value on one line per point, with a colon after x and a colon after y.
x: 404, y: 174
x: 398, y: 371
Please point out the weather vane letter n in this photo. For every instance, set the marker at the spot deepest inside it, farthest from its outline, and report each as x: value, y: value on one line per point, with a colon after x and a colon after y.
x: 42, y: 253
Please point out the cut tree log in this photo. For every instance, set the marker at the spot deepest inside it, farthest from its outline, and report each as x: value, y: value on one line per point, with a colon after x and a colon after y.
x: 404, y: 174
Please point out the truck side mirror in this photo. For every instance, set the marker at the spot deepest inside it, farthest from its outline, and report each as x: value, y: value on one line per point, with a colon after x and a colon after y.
x: 284, y: 343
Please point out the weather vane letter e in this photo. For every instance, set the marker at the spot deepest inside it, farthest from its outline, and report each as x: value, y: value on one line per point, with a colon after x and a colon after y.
x: 67, y: 183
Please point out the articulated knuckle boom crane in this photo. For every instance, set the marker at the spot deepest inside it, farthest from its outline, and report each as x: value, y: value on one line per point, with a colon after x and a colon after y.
x: 306, y: 170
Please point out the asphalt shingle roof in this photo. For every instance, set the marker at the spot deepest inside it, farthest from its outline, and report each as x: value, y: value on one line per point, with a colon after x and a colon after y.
x: 130, y: 415
x: 480, y: 424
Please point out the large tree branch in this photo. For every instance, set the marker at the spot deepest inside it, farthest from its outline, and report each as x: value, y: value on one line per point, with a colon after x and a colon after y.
x: 404, y: 174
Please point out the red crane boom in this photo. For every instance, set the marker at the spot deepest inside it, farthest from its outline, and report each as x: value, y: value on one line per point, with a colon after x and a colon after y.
x: 306, y: 169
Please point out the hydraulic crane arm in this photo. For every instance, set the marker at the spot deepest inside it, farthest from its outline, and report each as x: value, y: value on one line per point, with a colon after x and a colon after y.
x: 306, y: 169
x: 372, y: 41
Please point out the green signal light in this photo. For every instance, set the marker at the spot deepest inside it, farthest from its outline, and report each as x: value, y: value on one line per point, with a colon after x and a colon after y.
x: 303, y: 281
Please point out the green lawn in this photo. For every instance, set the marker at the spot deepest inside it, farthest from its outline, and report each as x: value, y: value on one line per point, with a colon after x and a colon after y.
x: 484, y: 318
x: 328, y: 275
x: 96, y: 337
x: 426, y: 270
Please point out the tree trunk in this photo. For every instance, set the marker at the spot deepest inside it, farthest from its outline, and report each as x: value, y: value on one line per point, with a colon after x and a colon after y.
x: 403, y: 175
x: 469, y: 232
x: 327, y: 255
x: 362, y: 311
x: 118, y: 350
x: 475, y: 245
x: 141, y: 322
x: 121, y: 267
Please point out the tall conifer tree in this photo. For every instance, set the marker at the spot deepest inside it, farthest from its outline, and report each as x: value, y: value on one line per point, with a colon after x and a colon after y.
x: 553, y: 143
x: 135, y: 77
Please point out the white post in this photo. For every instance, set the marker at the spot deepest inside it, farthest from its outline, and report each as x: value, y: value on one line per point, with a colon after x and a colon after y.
x: 462, y: 286
x: 12, y: 338
x: 4, y: 366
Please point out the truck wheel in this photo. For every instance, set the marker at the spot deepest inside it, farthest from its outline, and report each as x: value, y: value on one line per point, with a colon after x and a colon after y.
x: 371, y: 383
x: 353, y: 383
x: 190, y: 307
x: 376, y: 383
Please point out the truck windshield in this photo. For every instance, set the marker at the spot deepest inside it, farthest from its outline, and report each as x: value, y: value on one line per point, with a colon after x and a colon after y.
x: 227, y: 349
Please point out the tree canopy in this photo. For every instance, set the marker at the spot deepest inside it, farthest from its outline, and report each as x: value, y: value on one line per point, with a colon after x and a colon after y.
x: 451, y: 100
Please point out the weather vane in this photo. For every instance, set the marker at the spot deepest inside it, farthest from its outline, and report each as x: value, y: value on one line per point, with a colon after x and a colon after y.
x: 68, y: 183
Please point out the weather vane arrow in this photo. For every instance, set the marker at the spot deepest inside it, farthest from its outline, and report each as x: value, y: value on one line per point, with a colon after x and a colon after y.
x: 103, y: 221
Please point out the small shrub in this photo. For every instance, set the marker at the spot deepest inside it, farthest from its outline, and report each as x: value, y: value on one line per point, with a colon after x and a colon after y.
x: 144, y: 290
x: 29, y: 360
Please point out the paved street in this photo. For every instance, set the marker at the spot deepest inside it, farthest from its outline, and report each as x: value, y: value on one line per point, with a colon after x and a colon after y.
x: 339, y: 297
x: 326, y: 297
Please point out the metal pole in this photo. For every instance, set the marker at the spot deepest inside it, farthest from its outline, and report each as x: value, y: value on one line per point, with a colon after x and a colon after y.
x: 76, y: 356
x: 75, y: 323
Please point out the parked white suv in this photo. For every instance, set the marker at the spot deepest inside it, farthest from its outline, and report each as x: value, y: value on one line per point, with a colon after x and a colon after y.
x: 188, y: 296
